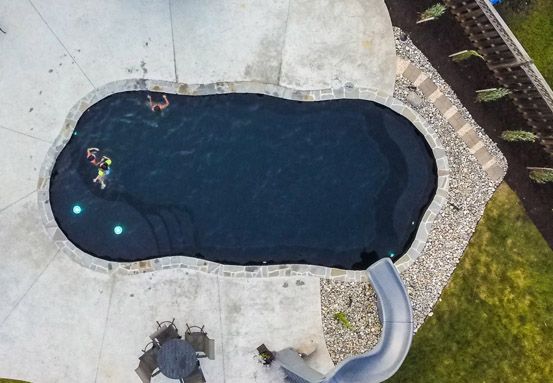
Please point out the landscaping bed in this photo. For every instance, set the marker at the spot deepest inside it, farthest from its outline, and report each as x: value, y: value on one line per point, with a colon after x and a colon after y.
x: 437, y: 39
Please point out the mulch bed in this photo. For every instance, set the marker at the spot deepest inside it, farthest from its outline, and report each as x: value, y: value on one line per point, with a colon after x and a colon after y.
x: 439, y: 38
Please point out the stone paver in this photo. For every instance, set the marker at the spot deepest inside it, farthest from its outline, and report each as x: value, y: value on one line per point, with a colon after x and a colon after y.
x: 452, y: 115
x: 63, y: 322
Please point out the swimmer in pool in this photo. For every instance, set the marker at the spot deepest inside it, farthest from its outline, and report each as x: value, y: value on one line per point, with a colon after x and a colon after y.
x: 158, y: 106
x: 91, y: 155
x: 104, y: 168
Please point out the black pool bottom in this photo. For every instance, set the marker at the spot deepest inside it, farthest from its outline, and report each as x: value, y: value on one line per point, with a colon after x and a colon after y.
x: 244, y: 179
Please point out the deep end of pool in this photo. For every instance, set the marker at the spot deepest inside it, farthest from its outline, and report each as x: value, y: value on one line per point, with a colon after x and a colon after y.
x: 244, y: 179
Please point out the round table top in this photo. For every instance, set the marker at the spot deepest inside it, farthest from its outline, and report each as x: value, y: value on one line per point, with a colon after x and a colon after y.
x: 177, y: 359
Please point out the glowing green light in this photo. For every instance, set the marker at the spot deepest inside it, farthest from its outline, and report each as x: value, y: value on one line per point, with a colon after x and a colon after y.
x: 77, y: 209
x: 75, y: 133
x: 118, y: 229
x: 391, y: 254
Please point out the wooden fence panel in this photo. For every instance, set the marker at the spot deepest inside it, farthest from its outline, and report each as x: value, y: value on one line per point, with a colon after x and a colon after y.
x: 509, y: 62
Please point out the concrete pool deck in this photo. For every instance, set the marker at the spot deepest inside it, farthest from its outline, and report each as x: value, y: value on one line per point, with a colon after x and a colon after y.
x: 62, y: 322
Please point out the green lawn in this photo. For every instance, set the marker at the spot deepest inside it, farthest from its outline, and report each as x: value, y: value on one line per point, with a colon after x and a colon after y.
x: 533, y: 26
x: 495, y: 320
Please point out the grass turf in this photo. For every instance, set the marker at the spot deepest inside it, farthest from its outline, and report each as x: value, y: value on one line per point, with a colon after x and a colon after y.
x: 533, y: 26
x: 495, y: 319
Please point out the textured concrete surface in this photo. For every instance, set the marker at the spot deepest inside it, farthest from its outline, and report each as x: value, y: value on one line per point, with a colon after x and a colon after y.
x: 62, y: 322
x: 329, y: 43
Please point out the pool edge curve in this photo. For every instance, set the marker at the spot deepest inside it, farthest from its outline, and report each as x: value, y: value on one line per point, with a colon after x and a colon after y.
x: 346, y: 92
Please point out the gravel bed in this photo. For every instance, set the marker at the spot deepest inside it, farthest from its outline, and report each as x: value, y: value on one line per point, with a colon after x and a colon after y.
x: 469, y: 191
x: 358, y: 302
x: 407, y: 50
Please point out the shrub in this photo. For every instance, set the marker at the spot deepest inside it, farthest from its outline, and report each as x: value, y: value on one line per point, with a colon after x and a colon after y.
x: 463, y: 55
x: 541, y: 175
x: 343, y: 319
x: 518, y: 135
x: 433, y: 12
x: 493, y: 94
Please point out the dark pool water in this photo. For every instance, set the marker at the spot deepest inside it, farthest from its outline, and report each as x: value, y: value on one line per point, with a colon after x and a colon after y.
x: 245, y: 179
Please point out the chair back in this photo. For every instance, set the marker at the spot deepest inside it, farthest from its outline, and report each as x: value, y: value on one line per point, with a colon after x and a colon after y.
x: 148, y: 359
x: 201, y: 343
x: 164, y: 333
x: 196, y: 377
x: 143, y: 375
x: 210, y: 348
x: 145, y: 370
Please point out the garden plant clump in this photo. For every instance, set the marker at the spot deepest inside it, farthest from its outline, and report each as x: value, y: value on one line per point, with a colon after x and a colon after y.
x: 492, y: 94
x: 343, y: 319
x: 350, y: 318
x: 433, y: 12
x: 518, y: 135
x: 465, y: 55
x: 541, y: 175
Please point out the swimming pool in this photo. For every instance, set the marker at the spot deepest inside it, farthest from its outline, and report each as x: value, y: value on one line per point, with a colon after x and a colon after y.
x: 244, y: 179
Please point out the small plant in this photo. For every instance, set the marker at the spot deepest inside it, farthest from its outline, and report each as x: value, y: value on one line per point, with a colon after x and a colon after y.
x: 541, y: 175
x: 518, y: 136
x: 343, y: 319
x: 492, y: 94
x: 264, y: 356
x: 464, y: 55
x: 432, y: 13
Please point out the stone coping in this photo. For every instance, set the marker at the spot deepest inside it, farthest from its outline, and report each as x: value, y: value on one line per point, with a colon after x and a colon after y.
x: 453, y: 116
x: 348, y: 91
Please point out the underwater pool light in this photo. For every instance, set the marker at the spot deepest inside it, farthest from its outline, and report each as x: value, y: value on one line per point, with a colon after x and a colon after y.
x: 118, y: 229
x: 391, y: 254
x: 77, y: 209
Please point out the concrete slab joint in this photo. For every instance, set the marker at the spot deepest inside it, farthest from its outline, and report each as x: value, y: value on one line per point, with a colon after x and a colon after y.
x: 346, y: 91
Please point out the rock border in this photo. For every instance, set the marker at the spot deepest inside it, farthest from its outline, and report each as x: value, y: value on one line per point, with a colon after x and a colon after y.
x: 348, y: 91
x: 453, y: 116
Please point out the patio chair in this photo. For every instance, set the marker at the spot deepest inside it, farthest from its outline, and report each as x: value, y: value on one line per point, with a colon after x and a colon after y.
x: 148, y: 364
x: 200, y: 342
x: 165, y: 331
x: 196, y: 377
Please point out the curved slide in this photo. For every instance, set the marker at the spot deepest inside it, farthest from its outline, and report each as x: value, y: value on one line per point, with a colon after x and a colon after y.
x: 396, y: 317
x: 381, y: 362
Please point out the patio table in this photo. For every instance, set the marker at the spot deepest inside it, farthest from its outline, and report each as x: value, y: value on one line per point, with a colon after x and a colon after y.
x: 177, y: 359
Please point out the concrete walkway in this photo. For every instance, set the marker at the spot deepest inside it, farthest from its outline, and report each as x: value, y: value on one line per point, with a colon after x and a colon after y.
x: 61, y: 322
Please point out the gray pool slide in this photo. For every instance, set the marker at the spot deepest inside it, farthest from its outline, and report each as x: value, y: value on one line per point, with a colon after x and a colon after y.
x: 381, y: 362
